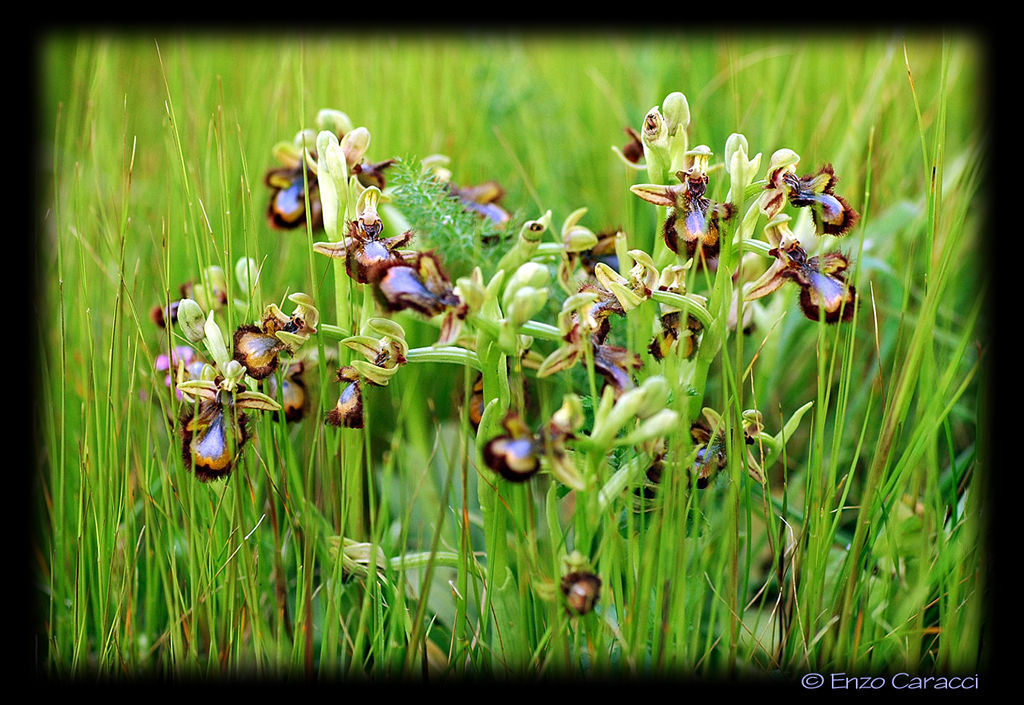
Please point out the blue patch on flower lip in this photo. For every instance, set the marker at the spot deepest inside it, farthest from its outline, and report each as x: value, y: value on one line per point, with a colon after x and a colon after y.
x: 287, y: 207
x: 696, y: 223
x: 828, y: 289
x: 831, y: 214
x: 211, y: 438
x: 348, y: 411
x: 257, y: 351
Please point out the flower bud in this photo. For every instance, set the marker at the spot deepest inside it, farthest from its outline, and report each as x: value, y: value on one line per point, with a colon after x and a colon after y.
x: 233, y: 373
x: 575, y: 237
x: 531, y: 274
x: 655, y: 393
x: 333, y: 120
x: 354, y: 144
x: 331, y: 181
x: 659, y: 424
x: 191, y: 320
x: 304, y: 140
x: 246, y: 274
x: 525, y: 303
x: 608, y: 424
x: 677, y: 117
x: 740, y: 169
x: 736, y: 143
x: 288, y: 154
x: 215, y: 342
x: 676, y: 110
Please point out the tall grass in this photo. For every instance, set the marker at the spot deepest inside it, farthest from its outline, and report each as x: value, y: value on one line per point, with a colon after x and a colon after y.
x: 862, y: 550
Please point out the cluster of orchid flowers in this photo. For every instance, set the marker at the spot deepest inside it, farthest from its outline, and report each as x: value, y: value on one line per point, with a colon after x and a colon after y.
x: 325, y: 183
x: 216, y: 389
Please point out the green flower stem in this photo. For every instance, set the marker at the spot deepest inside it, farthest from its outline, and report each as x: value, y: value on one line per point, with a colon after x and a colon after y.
x: 714, y: 336
x: 442, y: 559
x: 759, y: 246
x: 334, y: 332
x: 452, y: 354
x: 622, y: 478
x: 686, y: 304
x: 500, y: 594
x: 544, y: 331
x: 536, y: 329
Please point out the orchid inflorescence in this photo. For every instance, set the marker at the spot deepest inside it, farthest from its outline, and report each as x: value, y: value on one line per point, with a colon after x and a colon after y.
x: 595, y: 281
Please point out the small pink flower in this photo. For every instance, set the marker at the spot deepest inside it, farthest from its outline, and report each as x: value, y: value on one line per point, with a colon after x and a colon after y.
x: 169, y: 364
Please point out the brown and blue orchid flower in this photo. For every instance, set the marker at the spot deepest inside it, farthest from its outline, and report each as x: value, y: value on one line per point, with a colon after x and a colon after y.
x: 212, y: 437
x: 582, y: 589
x: 831, y: 214
x: 348, y: 411
x: 694, y: 221
x: 580, y: 585
x: 583, y: 320
x: 517, y: 454
x: 292, y: 390
x: 482, y: 199
x: 367, y: 255
x: 674, y: 333
x: 707, y: 435
x: 289, y: 185
x: 215, y: 429
x: 384, y: 355
x: 421, y: 285
x: 825, y: 294
x: 709, y: 445
x: 296, y: 181
x: 258, y: 347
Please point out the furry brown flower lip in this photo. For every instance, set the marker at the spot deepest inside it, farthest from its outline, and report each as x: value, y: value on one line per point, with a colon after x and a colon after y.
x: 582, y: 589
x: 287, y: 207
x: 516, y: 454
x: 831, y: 213
x: 710, y: 454
x: 348, y: 411
x: 825, y: 293
x: 212, y: 437
x: 420, y: 285
x: 257, y: 350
